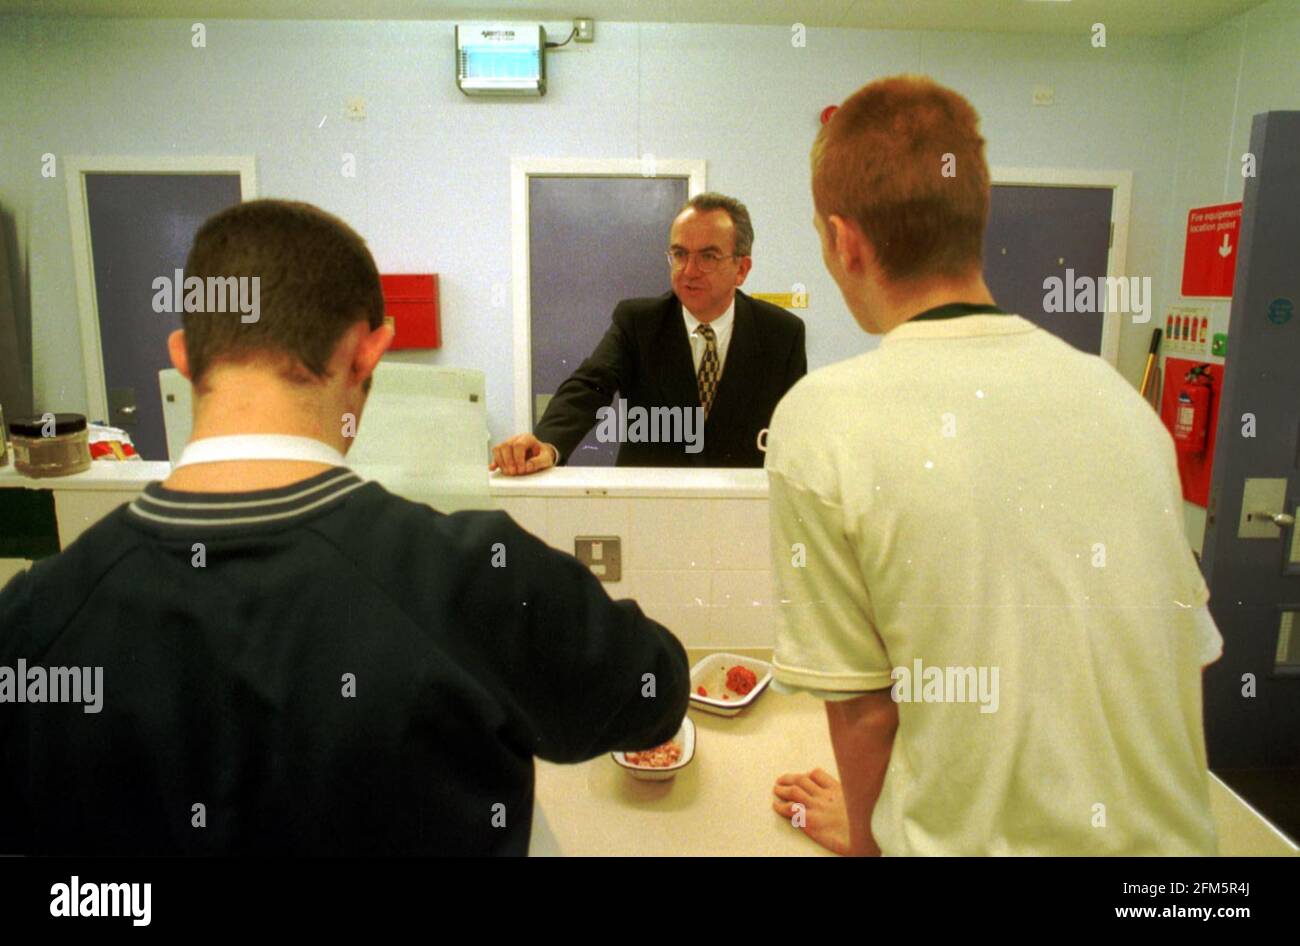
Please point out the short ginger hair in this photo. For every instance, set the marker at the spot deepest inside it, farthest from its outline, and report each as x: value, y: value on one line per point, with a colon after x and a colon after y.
x: 903, y: 158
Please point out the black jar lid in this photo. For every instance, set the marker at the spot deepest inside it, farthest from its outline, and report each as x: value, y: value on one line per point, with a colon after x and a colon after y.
x: 33, y: 426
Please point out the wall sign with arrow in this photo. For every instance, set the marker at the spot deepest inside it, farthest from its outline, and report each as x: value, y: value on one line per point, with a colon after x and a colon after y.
x: 1210, y: 257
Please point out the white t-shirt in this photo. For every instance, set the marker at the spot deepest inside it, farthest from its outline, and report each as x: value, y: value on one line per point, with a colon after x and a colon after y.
x: 981, y: 497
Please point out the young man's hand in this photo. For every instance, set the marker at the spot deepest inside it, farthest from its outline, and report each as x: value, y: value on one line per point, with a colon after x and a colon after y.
x: 862, y: 734
x: 825, y: 817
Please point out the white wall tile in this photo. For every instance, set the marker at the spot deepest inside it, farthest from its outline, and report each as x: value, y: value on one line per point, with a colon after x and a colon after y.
x: 700, y: 567
x: 687, y: 604
x: 567, y: 518
x: 675, y: 588
x: 692, y: 626
x: 725, y: 628
x: 741, y: 589
x: 753, y: 628
x: 671, y: 533
x: 738, y: 533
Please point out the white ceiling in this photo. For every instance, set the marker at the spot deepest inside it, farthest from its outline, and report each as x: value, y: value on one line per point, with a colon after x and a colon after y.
x: 1141, y: 17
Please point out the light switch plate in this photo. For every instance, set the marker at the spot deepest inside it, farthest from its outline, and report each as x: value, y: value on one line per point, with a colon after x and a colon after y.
x: 1261, y: 495
x: 603, y: 554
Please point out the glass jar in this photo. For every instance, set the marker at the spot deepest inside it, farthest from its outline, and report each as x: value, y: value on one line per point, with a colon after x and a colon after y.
x: 50, y: 445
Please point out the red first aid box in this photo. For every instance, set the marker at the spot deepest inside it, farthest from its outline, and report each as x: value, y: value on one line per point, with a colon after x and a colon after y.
x: 411, y: 307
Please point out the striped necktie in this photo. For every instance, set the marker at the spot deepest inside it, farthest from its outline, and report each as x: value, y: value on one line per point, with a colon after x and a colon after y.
x: 708, y: 376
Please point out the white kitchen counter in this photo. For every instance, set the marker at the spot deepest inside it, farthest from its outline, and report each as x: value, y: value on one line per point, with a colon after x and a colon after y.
x: 662, y: 482
x: 560, y: 481
x: 111, y: 476
x: 721, y: 803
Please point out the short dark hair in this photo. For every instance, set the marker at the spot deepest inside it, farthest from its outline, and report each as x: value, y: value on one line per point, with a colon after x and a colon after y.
x: 317, y: 279
x: 737, y: 211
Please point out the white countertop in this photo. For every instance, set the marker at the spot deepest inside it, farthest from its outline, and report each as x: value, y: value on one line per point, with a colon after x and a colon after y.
x: 633, y: 481
x: 107, y: 475
x: 560, y: 481
x: 720, y: 804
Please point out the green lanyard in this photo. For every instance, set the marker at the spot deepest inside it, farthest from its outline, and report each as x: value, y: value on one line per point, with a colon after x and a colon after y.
x: 954, y: 310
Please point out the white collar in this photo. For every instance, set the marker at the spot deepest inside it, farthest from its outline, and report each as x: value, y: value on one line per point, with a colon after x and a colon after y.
x: 719, y: 325
x: 259, y: 447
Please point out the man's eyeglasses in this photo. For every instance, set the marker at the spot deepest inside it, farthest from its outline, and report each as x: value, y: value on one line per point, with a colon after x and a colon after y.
x: 708, y: 261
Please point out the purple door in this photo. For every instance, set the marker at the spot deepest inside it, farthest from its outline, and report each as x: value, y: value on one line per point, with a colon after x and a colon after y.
x: 1035, y: 232
x: 141, y: 227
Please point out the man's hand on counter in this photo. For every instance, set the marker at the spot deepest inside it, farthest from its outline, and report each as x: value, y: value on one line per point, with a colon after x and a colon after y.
x: 862, y: 733
x: 523, y: 454
x: 825, y: 817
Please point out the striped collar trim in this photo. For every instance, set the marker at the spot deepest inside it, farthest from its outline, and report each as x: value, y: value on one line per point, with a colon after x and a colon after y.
x: 157, y: 504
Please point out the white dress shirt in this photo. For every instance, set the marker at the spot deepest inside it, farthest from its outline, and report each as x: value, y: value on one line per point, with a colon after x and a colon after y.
x: 721, y: 330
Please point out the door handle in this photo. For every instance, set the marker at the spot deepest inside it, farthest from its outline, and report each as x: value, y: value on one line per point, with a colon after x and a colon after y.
x: 1259, y: 498
x: 122, y: 407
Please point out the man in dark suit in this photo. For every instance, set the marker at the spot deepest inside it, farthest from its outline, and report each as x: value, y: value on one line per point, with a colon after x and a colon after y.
x: 698, y: 371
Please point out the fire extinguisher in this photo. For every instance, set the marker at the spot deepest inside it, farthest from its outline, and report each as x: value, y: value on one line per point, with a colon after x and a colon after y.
x: 1192, y: 411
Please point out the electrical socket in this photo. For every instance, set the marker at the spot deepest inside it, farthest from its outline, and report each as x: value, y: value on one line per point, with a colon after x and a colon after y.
x: 603, y: 554
x: 586, y: 29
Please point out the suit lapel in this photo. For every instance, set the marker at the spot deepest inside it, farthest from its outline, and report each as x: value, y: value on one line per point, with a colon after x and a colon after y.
x: 677, y: 381
x: 742, y: 355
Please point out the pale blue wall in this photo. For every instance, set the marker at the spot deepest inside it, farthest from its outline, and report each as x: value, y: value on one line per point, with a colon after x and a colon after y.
x: 432, y: 189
